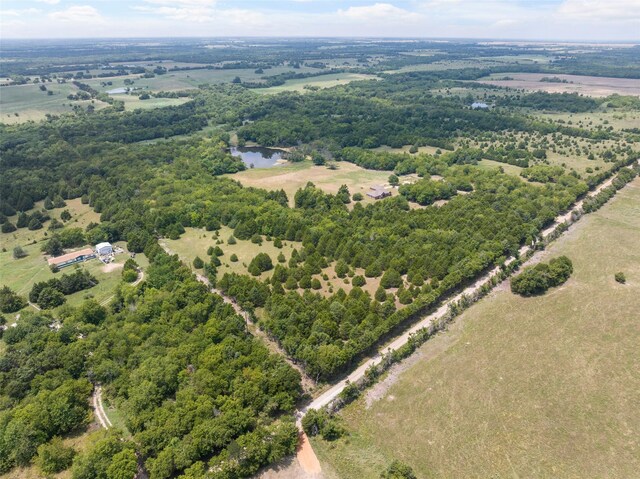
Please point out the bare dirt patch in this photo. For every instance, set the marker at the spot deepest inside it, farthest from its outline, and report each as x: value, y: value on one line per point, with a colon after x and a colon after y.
x: 587, y: 85
x: 109, y: 267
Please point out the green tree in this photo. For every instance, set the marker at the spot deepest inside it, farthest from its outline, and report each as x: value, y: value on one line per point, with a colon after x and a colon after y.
x: 50, y: 298
x: 10, y: 301
x: 198, y: 263
x: 124, y: 465
x: 54, y: 456
x: 262, y: 262
x: 620, y: 277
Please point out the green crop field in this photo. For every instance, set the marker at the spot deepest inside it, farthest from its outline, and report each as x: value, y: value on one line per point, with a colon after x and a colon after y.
x: 520, y: 387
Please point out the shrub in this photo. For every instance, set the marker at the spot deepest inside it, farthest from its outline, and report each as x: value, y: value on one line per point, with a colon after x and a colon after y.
x: 620, y: 278
x: 18, y: 252
x: 198, y: 263
x: 315, y: 283
x: 398, y: 470
x: 231, y: 240
x: 358, y: 280
x: 357, y: 197
x: 233, y: 258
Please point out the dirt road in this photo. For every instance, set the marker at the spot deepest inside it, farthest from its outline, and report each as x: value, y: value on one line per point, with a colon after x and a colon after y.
x: 101, y: 415
x: 331, y: 394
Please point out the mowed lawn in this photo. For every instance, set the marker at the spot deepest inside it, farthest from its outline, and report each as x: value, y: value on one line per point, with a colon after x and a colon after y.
x: 540, y: 387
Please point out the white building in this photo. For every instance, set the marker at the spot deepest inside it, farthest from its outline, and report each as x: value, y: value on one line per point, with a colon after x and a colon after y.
x: 104, y: 249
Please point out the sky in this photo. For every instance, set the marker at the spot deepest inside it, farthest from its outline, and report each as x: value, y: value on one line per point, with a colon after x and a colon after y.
x: 570, y: 20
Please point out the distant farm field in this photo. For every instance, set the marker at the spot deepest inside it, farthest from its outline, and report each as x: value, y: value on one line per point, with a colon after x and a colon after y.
x: 540, y: 387
x: 322, y: 81
x: 21, y: 103
x: 586, y: 85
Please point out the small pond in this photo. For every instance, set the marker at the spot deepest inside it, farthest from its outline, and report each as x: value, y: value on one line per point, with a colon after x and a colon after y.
x: 258, y: 156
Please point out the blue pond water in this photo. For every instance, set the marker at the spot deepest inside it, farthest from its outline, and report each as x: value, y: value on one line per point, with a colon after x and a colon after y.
x: 258, y: 156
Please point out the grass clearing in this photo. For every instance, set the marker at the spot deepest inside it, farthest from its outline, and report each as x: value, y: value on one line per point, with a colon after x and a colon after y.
x: 293, y: 176
x: 521, y: 387
x: 322, y: 81
x: 81, y: 216
x: 30, y: 103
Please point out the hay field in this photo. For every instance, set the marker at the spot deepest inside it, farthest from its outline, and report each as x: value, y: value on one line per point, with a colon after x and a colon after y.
x: 586, y: 85
x: 541, y: 387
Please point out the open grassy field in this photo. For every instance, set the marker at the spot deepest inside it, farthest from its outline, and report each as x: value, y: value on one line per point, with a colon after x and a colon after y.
x: 323, y: 81
x: 293, y: 176
x: 21, y: 274
x: 587, y: 85
x: 546, y: 386
x: 195, y: 242
x: 81, y: 216
x: 30, y: 103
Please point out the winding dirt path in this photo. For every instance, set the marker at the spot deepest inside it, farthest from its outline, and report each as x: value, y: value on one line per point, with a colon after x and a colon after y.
x: 307, y: 383
x: 101, y: 415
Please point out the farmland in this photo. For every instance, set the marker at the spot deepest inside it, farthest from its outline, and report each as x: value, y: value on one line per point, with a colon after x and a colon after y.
x: 519, y: 386
x: 586, y: 85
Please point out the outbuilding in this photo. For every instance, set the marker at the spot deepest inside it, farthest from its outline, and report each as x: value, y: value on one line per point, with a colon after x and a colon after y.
x: 378, y: 193
x: 104, y: 249
x: 72, y: 258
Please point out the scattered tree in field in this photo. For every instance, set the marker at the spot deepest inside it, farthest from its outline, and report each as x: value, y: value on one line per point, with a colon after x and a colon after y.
x: 231, y: 240
x: 34, y: 224
x: 10, y: 301
x: 262, y: 262
x: 233, y: 258
x: 357, y: 197
x: 18, y: 252
x: 391, y: 279
x: 65, y: 215
x: 620, y: 277
x: 358, y: 280
x: 53, y: 247
x: 539, y: 278
x: 198, y: 263
x: 8, y: 227
x: 394, y: 180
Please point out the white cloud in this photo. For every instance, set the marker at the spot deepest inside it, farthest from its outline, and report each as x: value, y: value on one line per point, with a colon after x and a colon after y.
x: 49, y: 2
x: 203, y: 3
x: 77, y: 13
x: 377, y: 12
x: 625, y: 10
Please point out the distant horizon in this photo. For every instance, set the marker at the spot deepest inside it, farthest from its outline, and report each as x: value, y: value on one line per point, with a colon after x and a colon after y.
x: 632, y: 42
x: 574, y: 21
